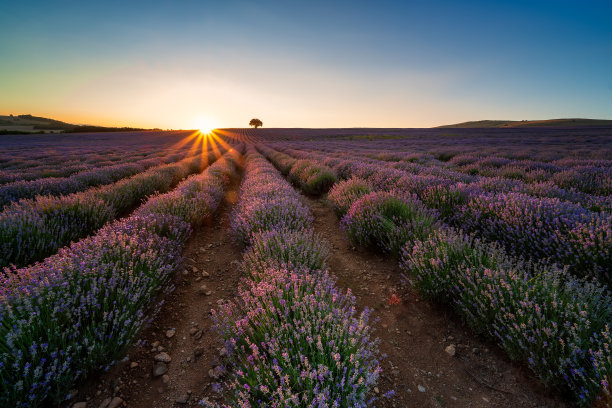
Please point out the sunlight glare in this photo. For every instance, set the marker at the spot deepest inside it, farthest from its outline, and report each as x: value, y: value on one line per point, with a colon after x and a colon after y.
x: 205, y: 125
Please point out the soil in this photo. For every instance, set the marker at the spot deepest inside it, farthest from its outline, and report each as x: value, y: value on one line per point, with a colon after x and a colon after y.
x: 413, y: 334
x: 194, y: 347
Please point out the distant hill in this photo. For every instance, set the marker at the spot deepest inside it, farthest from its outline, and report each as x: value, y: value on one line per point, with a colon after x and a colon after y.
x: 530, y: 123
x: 26, y: 124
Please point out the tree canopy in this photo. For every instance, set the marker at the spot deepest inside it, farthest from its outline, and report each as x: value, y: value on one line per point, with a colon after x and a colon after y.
x: 255, y: 123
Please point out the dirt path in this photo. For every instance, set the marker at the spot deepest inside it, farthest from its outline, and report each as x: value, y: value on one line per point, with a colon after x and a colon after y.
x: 181, y: 329
x: 415, y: 333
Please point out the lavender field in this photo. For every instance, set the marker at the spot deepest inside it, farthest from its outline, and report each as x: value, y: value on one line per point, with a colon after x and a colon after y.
x: 507, y: 230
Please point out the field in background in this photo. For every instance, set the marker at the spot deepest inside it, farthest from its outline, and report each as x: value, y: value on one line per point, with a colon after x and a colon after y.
x: 510, y: 228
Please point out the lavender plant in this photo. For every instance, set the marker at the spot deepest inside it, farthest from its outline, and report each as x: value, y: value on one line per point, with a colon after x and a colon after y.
x: 343, y: 194
x: 387, y: 221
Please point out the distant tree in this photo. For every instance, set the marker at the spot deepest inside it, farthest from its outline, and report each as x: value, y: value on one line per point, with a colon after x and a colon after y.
x: 255, y: 123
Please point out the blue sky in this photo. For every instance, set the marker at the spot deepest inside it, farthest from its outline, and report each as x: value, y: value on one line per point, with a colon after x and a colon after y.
x: 305, y: 64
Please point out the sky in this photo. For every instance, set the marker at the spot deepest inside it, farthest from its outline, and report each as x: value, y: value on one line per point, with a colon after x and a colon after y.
x: 191, y: 64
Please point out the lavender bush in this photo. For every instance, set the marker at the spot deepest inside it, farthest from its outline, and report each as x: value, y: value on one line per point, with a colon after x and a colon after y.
x: 387, y: 220
x: 344, y: 193
x: 541, y: 315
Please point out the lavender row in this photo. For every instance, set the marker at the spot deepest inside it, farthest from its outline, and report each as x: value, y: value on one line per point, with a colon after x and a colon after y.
x: 587, y: 176
x: 538, y: 227
x: 312, y: 177
x: 556, y: 324
x: 79, y: 310
x: 425, y: 164
x: 70, y: 164
x: 31, y: 230
x: 291, y: 338
x: 587, y: 185
x: 81, y: 181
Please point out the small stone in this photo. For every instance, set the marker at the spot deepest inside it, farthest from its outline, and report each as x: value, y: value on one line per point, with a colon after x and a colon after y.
x: 198, y: 335
x: 182, y: 399
x: 170, y: 333
x: 134, y: 364
x: 155, y: 344
x: 165, y: 378
x: 203, y: 289
x: 376, y: 390
x: 81, y: 404
x: 163, y: 357
x: 215, y: 373
x: 485, y: 399
x: 421, y: 388
x: 159, y: 369
x: 105, y: 403
x: 205, y: 274
x: 450, y: 350
x: 115, y: 403
x: 198, y: 351
x: 194, y: 268
x: 193, y: 331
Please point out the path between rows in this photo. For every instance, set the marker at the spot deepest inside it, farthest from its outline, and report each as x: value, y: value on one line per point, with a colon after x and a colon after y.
x: 415, y: 333
x: 181, y: 328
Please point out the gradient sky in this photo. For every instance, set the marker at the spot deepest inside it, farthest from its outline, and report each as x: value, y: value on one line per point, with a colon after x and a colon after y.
x: 178, y: 64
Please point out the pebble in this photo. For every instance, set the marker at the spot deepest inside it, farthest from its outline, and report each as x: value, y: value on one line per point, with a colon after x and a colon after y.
x: 203, y: 290
x: 165, y: 378
x: 81, y: 404
x: 198, y: 335
x: 134, y: 364
x: 115, y: 403
x: 193, y: 331
x: 194, y: 268
x: 170, y: 333
x: 450, y: 350
x: 182, y: 399
x: 205, y: 274
x: 163, y: 357
x: 105, y: 403
x: 198, y: 351
x: 215, y: 373
x: 160, y: 369
x: 421, y: 388
x: 155, y: 344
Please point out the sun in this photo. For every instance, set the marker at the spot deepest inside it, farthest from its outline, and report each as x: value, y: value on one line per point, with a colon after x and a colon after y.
x: 205, y: 125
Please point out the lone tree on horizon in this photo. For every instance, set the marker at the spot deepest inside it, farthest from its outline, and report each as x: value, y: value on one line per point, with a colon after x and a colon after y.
x: 255, y: 123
